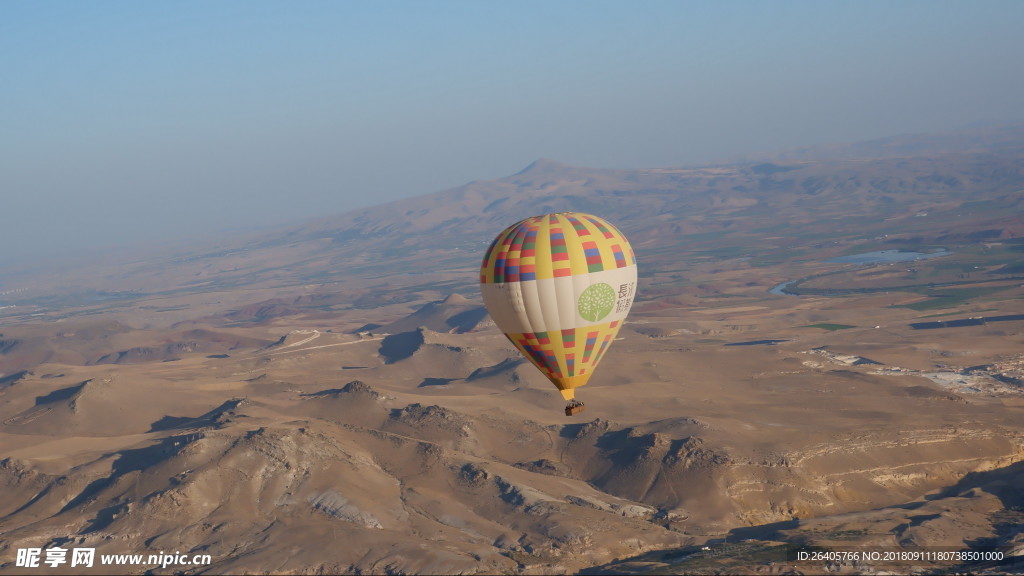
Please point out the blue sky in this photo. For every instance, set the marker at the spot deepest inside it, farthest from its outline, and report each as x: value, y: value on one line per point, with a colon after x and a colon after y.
x: 143, y: 123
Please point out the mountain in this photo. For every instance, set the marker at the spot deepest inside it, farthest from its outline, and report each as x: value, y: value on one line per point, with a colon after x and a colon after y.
x: 964, y: 188
x: 999, y: 139
x: 823, y: 350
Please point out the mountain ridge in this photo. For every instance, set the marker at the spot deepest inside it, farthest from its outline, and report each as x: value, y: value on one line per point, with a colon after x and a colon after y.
x: 450, y: 228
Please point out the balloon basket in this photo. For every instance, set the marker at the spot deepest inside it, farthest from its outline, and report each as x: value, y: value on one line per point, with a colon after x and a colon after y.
x: 574, y: 408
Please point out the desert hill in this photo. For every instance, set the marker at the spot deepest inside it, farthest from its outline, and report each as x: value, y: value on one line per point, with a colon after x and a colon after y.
x: 982, y: 510
x: 453, y: 314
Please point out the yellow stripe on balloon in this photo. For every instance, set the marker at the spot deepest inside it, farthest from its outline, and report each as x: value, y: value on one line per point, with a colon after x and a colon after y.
x: 545, y: 268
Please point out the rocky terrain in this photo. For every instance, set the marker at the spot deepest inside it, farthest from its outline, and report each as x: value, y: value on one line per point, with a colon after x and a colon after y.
x: 332, y: 397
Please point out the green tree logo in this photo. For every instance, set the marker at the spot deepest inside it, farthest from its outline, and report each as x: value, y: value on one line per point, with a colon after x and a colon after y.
x: 596, y: 302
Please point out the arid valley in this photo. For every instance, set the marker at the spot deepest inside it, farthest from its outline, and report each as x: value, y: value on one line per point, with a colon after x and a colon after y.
x: 826, y: 352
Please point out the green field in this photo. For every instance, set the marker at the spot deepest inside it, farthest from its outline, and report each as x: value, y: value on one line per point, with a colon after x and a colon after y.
x: 828, y: 326
x: 950, y: 298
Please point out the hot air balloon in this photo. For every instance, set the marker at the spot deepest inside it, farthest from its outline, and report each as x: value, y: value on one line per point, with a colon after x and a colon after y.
x: 559, y: 286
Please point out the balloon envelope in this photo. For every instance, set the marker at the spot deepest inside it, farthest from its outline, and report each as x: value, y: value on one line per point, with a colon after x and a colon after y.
x: 559, y: 286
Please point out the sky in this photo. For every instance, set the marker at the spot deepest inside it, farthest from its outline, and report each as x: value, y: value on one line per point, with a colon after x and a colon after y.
x: 153, y: 123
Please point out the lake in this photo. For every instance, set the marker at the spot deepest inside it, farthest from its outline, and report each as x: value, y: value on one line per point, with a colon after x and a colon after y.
x: 877, y: 257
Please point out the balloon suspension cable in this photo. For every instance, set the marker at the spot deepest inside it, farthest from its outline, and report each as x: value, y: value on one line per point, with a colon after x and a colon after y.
x: 574, y: 407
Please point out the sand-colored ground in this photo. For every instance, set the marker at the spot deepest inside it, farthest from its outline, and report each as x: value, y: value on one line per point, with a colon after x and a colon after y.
x: 332, y: 398
x: 430, y: 451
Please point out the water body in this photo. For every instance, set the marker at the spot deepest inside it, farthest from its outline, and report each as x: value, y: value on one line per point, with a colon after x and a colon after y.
x: 780, y: 289
x: 877, y: 257
x: 887, y: 256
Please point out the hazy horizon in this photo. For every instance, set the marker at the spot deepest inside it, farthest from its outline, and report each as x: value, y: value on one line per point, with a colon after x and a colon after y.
x: 137, y: 124
x: 253, y: 312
